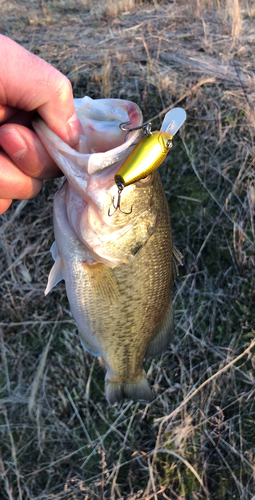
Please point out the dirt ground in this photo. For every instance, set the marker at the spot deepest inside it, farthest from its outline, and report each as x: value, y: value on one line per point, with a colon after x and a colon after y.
x: 59, y: 437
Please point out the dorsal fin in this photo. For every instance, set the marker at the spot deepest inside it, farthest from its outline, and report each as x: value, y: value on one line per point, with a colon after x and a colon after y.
x: 162, y: 339
x: 177, y: 261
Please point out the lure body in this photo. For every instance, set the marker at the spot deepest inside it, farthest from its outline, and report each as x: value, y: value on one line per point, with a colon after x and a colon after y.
x: 146, y: 157
x: 151, y: 151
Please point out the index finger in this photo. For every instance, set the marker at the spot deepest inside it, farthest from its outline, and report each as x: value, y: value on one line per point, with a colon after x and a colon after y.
x: 28, y: 82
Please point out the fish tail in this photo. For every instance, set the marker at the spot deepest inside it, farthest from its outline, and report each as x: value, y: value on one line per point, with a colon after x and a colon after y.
x: 139, y: 390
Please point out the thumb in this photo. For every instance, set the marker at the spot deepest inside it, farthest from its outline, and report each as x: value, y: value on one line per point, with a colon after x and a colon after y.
x: 58, y: 111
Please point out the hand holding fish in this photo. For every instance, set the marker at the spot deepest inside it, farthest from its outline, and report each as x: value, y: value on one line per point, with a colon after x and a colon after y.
x: 118, y: 266
x: 29, y: 84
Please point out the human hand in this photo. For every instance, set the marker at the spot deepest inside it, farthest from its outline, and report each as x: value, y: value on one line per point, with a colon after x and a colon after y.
x: 29, y: 84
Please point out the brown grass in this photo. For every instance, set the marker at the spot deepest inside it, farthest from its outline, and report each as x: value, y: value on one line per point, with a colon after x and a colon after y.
x: 59, y: 438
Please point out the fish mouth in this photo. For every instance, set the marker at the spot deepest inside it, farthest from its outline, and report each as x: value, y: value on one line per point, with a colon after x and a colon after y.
x: 102, y: 143
x: 91, y: 186
x: 106, y: 110
x: 108, y: 143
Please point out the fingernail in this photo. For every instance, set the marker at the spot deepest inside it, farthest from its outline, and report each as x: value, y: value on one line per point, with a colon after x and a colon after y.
x: 12, y: 143
x: 74, y: 130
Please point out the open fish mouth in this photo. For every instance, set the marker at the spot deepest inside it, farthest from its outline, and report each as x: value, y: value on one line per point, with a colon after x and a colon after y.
x: 102, y: 143
x: 90, y: 169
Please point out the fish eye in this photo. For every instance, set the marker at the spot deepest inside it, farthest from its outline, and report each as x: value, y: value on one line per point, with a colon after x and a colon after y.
x: 145, y: 179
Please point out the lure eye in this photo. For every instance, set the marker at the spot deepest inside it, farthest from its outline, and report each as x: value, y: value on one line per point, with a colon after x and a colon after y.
x: 169, y: 144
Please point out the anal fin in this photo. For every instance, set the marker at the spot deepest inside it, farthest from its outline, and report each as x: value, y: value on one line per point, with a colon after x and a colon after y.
x: 88, y: 347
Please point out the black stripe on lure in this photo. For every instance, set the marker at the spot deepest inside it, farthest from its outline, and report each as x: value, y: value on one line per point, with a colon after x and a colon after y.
x: 149, y: 153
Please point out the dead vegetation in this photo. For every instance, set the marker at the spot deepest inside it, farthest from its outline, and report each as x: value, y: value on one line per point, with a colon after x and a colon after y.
x: 59, y: 438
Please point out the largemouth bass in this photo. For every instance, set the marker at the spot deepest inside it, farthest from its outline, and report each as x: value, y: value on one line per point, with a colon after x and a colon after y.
x: 118, y: 270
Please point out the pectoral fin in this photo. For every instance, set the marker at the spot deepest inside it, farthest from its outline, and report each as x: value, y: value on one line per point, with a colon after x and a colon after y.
x: 102, y: 281
x: 161, y: 341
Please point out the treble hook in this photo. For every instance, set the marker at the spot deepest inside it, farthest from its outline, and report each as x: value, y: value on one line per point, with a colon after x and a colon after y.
x: 146, y: 126
x: 120, y: 189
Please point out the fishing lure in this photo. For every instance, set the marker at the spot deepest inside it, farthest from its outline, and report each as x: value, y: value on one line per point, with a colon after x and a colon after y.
x: 149, y: 153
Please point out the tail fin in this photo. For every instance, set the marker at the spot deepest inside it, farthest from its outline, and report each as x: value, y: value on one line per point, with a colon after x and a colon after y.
x: 136, y: 391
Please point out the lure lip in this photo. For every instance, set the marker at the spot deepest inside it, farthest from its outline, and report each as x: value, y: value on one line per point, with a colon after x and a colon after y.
x: 173, y: 120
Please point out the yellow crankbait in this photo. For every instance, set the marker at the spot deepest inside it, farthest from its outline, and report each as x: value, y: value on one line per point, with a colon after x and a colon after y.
x: 149, y: 153
x: 146, y: 157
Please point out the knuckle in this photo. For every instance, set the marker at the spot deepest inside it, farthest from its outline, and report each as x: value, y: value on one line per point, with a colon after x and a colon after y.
x: 62, y: 86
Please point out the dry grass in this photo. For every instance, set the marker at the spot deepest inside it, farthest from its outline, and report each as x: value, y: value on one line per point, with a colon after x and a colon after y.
x: 59, y: 438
